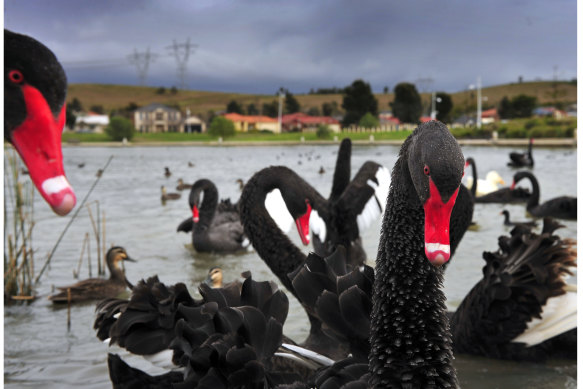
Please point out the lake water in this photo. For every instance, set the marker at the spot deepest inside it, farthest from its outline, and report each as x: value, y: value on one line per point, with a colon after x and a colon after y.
x: 39, y: 351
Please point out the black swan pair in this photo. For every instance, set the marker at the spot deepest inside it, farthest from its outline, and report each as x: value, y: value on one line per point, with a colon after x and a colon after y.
x: 215, y: 226
x: 35, y: 87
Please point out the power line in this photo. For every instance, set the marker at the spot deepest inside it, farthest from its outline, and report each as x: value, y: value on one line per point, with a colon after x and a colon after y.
x: 181, y: 52
x: 142, y: 62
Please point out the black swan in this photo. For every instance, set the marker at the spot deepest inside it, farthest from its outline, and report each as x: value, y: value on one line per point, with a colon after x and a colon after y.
x: 215, y: 227
x: 522, y: 159
x: 35, y: 87
x: 351, y: 207
x: 503, y: 195
x: 563, y: 207
x: 165, y: 195
x: 510, y: 223
x: 98, y: 288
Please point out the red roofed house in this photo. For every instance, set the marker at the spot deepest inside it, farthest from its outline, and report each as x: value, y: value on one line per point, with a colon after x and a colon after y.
x: 246, y: 123
x: 301, y: 122
x: 490, y: 116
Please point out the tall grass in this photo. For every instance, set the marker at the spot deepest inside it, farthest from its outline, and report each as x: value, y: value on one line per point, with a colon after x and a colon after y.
x: 18, y: 250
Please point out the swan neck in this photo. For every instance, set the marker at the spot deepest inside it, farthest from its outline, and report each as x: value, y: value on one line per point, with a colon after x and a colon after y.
x: 342, y: 170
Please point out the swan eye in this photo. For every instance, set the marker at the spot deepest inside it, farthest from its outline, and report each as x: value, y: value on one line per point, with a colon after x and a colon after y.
x: 426, y: 170
x: 16, y: 76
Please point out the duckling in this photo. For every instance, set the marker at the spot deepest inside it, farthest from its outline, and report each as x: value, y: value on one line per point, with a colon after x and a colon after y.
x: 182, y: 185
x: 167, y: 172
x: 215, y: 278
x: 190, y: 164
x: 99, y: 288
x: 168, y: 196
x: 99, y: 173
x: 321, y: 171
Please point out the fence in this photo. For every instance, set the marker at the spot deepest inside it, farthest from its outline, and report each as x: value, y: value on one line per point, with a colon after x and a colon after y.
x: 383, y: 128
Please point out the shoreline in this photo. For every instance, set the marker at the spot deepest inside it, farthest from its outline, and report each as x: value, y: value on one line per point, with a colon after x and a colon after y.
x: 540, y: 142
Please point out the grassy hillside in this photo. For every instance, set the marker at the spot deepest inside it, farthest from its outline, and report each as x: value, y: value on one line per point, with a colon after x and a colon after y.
x: 200, y: 102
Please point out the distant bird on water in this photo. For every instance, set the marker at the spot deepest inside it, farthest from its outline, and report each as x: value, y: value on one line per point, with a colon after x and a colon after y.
x: 168, y: 196
x: 522, y: 159
x: 167, y: 172
x: 508, y: 222
x: 182, y: 186
x: 98, y: 288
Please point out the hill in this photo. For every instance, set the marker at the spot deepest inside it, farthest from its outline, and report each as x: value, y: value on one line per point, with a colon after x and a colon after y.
x: 201, y: 102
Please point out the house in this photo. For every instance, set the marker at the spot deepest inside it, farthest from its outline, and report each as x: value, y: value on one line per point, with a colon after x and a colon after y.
x: 301, y: 122
x: 550, y: 111
x: 157, y: 117
x: 91, y: 123
x: 490, y: 116
x: 245, y: 123
x: 387, y: 118
x: 193, y: 124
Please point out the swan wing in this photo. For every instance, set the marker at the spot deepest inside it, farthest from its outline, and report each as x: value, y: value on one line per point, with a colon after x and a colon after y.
x: 277, y: 209
x: 366, y: 196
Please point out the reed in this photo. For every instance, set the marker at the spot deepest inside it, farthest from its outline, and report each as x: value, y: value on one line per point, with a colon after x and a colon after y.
x: 19, y: 213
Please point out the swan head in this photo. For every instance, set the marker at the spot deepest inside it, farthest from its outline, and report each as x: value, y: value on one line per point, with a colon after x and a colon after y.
x: 35, y: 87
x: 436, y: 165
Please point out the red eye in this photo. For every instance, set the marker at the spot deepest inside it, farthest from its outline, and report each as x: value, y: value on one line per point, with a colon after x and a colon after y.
x: 16, y: 76
x: 426, y: 170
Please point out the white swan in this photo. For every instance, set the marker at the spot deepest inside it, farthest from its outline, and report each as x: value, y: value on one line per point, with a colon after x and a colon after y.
x: 485, y: 186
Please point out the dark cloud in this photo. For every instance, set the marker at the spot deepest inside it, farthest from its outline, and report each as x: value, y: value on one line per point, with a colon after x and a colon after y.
x: 258, y: 46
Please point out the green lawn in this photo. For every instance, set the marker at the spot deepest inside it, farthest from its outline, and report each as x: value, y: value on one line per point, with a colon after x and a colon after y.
x: 70, y: 137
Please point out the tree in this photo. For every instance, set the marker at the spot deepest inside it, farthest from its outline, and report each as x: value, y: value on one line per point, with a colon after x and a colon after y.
x: 120, y: 128
x: 368, y: 121
x: 161, y: 91
x: 234, y: 107
x: 386, y: 90
x: 358, y: 100
x: 291, y: 104
x: 75, y: 105
x: 323, y: 132
x: 407, y: 104
x: 221, y: 126
x: 443, y: 105
x: 97, y: 109
x: 314, y: 111
x: 252, y: 109
x: 329, y: 109
x: 505, y: 108
x: 522, y: 105
x: 271, y: 109
x: 173, y: 90
x: 70, y: 117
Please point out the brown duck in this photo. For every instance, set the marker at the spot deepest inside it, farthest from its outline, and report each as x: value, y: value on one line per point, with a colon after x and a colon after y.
x: 98, y: 288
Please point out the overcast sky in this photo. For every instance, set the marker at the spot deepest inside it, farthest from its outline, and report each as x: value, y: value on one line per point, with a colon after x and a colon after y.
x: 256, y: 46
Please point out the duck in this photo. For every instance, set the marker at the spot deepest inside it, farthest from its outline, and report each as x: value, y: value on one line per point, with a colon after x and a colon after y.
x: 562, y: 207
x: 215, y: 227
x: 98, y: 288
x: 215, y: 278
x: 415, y: 350
x: 321, y: 171
x: 509, y: 223
x: 522, y: 159
x: 167, y: 172
x: 168, y: 195
x: 241, y: 183
x: 503, y: 195
x: 190, y: 164
x: 35, y: 87
x: 182, y: 185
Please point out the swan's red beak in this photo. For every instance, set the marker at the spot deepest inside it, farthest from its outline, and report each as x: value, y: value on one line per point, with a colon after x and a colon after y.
x: 513, y: 185
x: 437, y: 216
x: 38, y: 141
x: 303, y: 225
x: 195, y: 217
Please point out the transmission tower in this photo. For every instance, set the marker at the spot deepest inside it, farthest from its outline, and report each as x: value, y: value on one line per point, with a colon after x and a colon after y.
x: 424, y: 83
x: 181, y: 52
x: 142, y: 62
